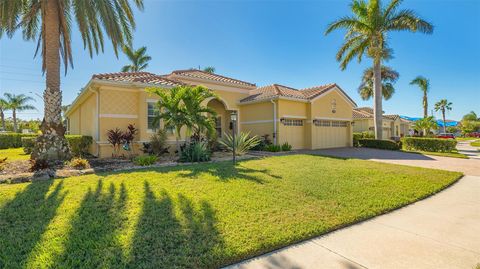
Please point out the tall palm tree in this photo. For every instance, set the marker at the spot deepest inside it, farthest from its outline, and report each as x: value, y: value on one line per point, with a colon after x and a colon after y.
x: 443, y: 105
x: 367, y: 31
x: 18, y: 103
x: 424, y: 85
x: 209, y: 69
x: 389, y: 77
x: 3, y: 107
x: 49, y: 22
x: 201, y: 116
x: 138, y: 58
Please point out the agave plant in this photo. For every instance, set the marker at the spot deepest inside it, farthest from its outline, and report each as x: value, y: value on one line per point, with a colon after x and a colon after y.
x: 243, y: 142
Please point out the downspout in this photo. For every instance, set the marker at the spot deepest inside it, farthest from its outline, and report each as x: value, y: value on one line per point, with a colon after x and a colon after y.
x: 274, y: 121
x: 98, y: 121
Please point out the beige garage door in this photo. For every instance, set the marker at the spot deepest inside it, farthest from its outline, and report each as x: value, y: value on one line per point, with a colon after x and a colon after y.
x: 293, y: 132
x: 330, y: 134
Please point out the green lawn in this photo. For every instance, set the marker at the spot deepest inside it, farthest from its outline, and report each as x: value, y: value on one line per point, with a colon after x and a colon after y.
x: 199, y: 216
x: 475, y: 143
x: 464, y: 138
x: 14, y: 154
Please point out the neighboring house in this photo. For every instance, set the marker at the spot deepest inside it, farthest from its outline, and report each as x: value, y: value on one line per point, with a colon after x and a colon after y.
x: 448, y: 123
x: 393, y: 125
x: 317, y: 117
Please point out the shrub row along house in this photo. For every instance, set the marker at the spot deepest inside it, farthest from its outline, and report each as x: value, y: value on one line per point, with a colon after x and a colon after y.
x: 393, y: 125
x: 317, y: 117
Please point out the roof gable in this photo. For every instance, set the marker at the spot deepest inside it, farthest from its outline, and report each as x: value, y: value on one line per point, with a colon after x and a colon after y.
x: 199, y: 74
x: 137, y: 77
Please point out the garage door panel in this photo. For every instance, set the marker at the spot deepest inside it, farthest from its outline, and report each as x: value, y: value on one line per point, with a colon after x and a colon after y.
x: 330, y: 134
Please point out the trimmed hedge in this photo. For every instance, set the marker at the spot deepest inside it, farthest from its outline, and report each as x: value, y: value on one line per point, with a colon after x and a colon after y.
x: 429, y: 144
x: 12, y: 140
x: 380, y: 144
x: 79, y: 144
x: 362, y: 135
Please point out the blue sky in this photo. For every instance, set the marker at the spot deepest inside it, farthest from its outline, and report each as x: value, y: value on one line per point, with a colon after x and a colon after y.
x: 281, y: 42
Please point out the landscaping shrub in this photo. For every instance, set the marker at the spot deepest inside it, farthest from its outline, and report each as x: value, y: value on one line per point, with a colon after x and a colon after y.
x: 3, y: 161
x: 429, y: 144
x: 243, y: 142
x: 157, y: 144
x: 145, y: 160
x: 79, y: 163
x: 264, y: 141
x: 115, y: 138
x: 286, y: 147
x: 12, y: 140
x: 28, y: 143
x: 362, y: 135
x: 39, y: 164
x: 195, y: 152
x: 380, y: 144
x: 273, y: 148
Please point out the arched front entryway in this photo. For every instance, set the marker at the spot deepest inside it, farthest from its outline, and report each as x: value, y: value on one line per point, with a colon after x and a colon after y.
x: 222, y: 121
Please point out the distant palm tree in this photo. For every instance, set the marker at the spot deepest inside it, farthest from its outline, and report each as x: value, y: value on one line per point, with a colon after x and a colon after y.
x: 3, y: 107
x: 18, y: 103
x: 424, y: 85
x: 209, y: 69
x: 426, y: 124
x: 389, y: 77
x: 443, y: 105
x: 367, y: 32
x: 49, y: 23
x: 139, y: 59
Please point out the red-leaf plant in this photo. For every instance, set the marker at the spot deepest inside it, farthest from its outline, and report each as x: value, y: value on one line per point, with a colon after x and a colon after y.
x: 115, y: 138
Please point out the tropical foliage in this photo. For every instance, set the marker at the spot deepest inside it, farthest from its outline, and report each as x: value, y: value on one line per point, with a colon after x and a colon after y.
x: 138, y: 58
x: 424, y: 84
x: 243, y: 142
x: 49, y: 24
x: 196, y: 151
x: 209, y: 69
x: 17, y: 103
x: 426, y: 124
x: 3, y: 107
x: 367, y: 30
x: 442, y: 106
x: 389, y: 77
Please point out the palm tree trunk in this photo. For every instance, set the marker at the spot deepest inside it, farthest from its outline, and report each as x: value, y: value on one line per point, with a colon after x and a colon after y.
x: 178, y: 142
x: 443, y: 116
x: 425, y: 105
x: 2, y: 116
x: 14, y: 115
x: 52, y: 145
x: 377, y: 98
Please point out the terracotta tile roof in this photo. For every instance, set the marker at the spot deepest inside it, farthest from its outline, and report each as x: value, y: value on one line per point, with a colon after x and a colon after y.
x: 139, y: 77
x: 195, y: 73
x: 277, y: 90
x: 367, y: 113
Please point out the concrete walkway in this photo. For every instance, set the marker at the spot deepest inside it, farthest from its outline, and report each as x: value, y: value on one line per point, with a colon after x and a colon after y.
x: 465, y: 148
x: 442, y: 231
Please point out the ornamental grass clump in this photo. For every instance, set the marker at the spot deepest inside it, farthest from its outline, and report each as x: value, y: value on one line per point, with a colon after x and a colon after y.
x: 243, y: 142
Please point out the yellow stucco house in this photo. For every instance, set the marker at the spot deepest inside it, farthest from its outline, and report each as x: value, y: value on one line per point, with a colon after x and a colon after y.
x: 393, y: 125
x: 312, y: 118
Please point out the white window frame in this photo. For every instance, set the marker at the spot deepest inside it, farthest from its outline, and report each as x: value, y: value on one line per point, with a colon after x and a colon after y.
x: 150, y: 130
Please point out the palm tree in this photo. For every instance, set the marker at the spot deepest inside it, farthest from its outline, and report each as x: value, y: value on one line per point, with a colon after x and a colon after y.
x: 171, y: 110
x: 366, y: 35
x: 202, y: 117
x: 49, y: 22
x: 139, y: 59
x: 424, y: 85
x: 209, y: 69
x: 443, y: 105
x: 3, y: 107
x: 389, y: 77
x: 18, y: 103
x: 426, y: 124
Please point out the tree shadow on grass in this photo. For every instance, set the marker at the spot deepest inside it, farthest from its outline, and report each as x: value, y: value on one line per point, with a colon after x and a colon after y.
x: 164, y: 239
x: 92, y: 241
x: 24, y: 219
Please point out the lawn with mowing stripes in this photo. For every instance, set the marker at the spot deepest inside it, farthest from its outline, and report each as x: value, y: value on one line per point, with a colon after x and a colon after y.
x: 198, y: 216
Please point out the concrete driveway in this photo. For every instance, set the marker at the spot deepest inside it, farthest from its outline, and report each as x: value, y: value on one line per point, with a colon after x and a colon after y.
x: 465, y: 148
x: 442, y: 231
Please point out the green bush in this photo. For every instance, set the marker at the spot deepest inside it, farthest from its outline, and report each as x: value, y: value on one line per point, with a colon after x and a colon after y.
x: 243, y: 142
x: 380, y: 144
x: 12, y: 140
x: 429, y: 144
x: 79, y: 163
x: 195, y: 152
x: 362, y: 135
x: 286, y: 147
x: 79, y: 144
x: 145, y: 160
x: 28, y: 143
x: 272, y: 148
